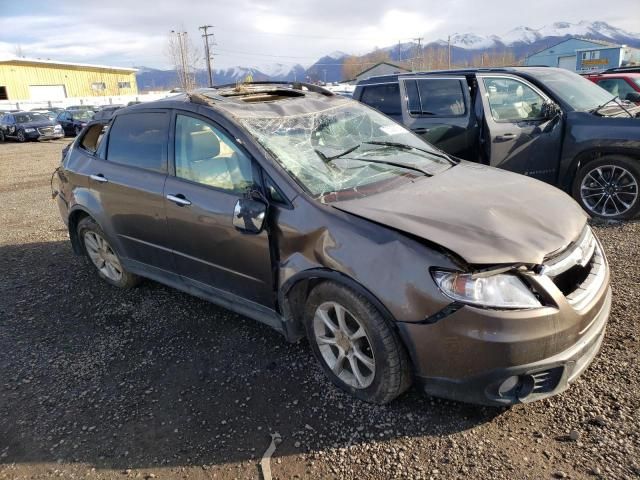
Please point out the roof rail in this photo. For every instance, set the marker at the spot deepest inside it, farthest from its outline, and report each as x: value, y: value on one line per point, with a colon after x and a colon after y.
x: 294, y: 85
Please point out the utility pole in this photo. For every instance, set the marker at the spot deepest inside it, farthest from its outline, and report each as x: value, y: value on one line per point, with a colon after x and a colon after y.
x: 449, y: 47
x: 207, y: 45
x: 419, y: 40
x: 324, y: 70
x: 399, y: 52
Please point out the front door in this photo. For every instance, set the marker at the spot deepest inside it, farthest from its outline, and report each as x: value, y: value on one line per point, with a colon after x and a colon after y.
x: 439, y: 110
x: 519, y: 138
x: 211, y: 173
x: 128, y: 177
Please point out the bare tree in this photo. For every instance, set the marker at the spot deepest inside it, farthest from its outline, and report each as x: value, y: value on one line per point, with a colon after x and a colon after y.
x: 18, y: 51
x: 184, y: 56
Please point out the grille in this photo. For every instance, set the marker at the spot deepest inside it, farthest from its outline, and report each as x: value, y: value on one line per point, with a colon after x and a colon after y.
x: 46, y: 130
x: 546, y: 380
x: 578, y: 271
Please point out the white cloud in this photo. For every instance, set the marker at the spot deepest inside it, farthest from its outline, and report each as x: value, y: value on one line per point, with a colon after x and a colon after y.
x: 250, y: 32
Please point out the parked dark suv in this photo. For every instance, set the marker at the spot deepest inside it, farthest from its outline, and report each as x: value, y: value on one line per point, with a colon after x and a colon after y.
x: 323, y: 218
x: 546, y: 123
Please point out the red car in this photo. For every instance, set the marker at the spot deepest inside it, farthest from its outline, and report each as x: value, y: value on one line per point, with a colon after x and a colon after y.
x: 624, y: 84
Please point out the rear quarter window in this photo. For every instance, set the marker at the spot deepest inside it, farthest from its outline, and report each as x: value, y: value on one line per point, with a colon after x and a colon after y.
x: 383, y: 97
x: 140, y: 140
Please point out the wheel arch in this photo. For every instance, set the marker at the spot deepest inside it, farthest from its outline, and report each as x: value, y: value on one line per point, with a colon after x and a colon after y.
x: 77, y: 214
x: 293, y: 295
x: 592, y: 154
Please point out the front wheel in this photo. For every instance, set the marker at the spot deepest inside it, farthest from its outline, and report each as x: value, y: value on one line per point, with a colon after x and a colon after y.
x: 608, y: 188
x: 20, y: 136
x: 356, y: 347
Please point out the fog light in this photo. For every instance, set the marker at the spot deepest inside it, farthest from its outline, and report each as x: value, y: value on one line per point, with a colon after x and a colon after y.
x: 509, y: 386
x: 518, y: 387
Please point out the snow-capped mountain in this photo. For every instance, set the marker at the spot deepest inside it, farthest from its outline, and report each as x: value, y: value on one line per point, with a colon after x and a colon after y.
x: 528, y: 35
x: 520, y: 41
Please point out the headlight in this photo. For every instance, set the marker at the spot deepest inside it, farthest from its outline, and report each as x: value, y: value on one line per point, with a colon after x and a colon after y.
x: 502, y: 290
x: 57, y: 128
x: 29, y: 130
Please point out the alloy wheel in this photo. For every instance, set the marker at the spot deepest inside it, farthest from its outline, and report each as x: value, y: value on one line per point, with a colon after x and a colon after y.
x: 103, y: 256
x: 20, y: 136
x: 609, y: 190
x: 344, y: 345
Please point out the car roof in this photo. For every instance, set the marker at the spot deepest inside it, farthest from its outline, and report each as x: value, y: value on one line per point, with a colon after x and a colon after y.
x: 460, y: 71
x: 257, y: 99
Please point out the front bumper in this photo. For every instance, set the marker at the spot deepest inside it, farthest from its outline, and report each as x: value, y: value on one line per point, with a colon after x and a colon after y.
x: 527, y: 382
x: 36, y: 135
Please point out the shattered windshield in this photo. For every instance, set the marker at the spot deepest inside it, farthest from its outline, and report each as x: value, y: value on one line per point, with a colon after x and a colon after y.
x: 346, y: 151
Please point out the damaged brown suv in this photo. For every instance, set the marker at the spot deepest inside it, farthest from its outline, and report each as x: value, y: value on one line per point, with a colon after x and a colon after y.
x: 325, y: 219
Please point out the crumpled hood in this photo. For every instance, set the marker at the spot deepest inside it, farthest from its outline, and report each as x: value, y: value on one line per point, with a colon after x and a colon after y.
x: 485, y: 215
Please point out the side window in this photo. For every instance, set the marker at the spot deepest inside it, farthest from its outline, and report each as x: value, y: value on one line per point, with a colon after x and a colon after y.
x: 92, y: 138
x: 385, y: 98
x: 139, y: 140
x: 272, y: 191
x: 511, y: 100
x: 204, y: 154
x: 438, y: 97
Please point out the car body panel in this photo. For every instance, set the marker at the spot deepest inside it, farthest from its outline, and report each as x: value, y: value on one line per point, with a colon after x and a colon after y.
x: 525, y: 220
x: 434, y: 223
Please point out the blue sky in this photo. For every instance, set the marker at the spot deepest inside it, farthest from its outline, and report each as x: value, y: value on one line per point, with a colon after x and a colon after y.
x: 251, y: 32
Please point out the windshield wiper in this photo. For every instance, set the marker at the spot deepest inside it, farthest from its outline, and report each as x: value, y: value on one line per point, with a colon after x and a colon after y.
x: 327, y: 159
x: 612, y: 99
x: 403, y: 146
x: 393, y: 164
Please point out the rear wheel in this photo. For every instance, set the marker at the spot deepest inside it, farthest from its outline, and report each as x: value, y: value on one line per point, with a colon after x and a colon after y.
x: 2, y: 137
x: 356, y: 347
x: 102, y: 256
x: 609, y: 187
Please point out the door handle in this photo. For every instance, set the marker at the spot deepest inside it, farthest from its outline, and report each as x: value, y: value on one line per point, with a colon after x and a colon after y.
x: 506, y: 137
x: 421, y: 130
x: 179, y: 199
x: 99, y: 178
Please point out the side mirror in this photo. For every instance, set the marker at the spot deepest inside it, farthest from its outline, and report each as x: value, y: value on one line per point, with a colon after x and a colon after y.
x: 550, y: 110
x: 249, y: 215
x: 633, y: 97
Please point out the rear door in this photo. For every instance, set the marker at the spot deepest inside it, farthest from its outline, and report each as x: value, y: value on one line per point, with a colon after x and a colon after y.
x: 212, y: 172
x: 439, y: 110
x: 129, y: 183
x: 519, y: 138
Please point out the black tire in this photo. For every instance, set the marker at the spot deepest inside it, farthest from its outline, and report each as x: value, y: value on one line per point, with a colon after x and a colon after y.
x: 20, y: 136
x: 2, y: 137
x: 127, y: 279
x: 392, y: 374
x: 608, y: 209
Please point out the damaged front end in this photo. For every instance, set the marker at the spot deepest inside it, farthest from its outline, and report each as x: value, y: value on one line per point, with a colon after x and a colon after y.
x: 542, y: 328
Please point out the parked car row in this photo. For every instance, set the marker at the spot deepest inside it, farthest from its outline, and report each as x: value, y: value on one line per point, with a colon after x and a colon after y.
x: 325, y: 219
x: 45, y: 124
x: 546, y: 123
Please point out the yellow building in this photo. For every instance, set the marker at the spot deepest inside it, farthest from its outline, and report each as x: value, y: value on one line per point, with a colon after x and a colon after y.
x: 48, y: 80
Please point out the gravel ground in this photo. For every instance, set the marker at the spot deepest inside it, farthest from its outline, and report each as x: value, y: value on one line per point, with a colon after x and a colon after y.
x: 152, y: 383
